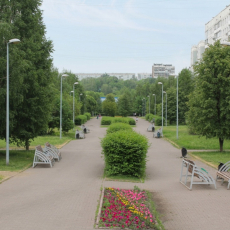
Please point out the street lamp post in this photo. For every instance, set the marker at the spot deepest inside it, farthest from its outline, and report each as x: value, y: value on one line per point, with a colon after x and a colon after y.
x: 15, y: 40
x: 63, y: 75
x: 177, y: 108
x: 155, y: 102
x: 149, y: 103
x: 166, y: 107
x: 75, y: 83
x: 160, y: 83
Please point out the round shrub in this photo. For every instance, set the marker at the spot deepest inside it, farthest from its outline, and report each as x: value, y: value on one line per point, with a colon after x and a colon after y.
x: 159, y: 121
x: 106, y: 120
x: 88, y: 115
x: 131, y: 121
x: 120, y: 120
x: 125, y: 153
x: 81, y: 119
x: 117, y: 127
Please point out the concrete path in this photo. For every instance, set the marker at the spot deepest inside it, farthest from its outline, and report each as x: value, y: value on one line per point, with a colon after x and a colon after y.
x: 65, y: 197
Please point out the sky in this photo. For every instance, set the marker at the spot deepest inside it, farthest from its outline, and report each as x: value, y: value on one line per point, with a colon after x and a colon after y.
x: 125, y: 36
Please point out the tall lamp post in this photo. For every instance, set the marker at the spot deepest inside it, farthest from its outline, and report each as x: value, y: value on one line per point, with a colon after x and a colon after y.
x: 149, y: 103
x: 155, y: 102
x: 166, y: 107
x: 160, y: 83
x: 144, y: 106
x: 14, y: 40
x: 177, y: 108
x: 63, y: 75
x: 75, y: 83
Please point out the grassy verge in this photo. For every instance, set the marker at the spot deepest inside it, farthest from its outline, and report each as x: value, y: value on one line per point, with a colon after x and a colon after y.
x: 54, y: 139
x: 191, y: 141
x: 18, y: 160
x: 212, y: 158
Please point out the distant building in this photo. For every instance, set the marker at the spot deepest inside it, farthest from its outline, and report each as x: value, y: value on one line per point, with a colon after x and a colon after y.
x: 163, y: 70
x: 197, y: 53
x: 141, y: 76
x: 218, y: 28
x: 103, y: 98
x: 124, y: 76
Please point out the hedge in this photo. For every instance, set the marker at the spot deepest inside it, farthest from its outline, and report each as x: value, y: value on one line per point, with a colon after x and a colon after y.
x: 106, y: 120
x: 117, y: 127
x: 81, y: 119
x: 125, y: 153
x: 88, y: 115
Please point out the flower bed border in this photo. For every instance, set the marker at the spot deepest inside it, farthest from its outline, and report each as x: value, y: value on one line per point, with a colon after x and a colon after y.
x: 99, y: 214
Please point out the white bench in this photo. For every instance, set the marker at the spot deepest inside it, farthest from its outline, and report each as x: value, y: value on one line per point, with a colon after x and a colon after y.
x: 42, y: 157
x: 79, y: 134
x: 158, y: 133
x: 151, y: 128
x: 224, y: 173
x: 193, y: 171
x: 85, y: 129
x: 56, y: 153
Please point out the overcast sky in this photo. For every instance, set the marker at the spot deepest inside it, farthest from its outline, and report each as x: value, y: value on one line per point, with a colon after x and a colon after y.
x: 126, y: 36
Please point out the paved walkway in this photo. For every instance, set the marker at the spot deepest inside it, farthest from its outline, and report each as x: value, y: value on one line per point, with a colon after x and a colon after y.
x: 65, y: 197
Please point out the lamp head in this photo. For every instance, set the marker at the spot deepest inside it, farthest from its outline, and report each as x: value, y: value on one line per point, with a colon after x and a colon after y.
x: 64, y: 75
x: 81, y: 94
x: 164, y: 92
x: 75, y: 83
x: 14, y: 40
x: 71, y: 91
x: 159, y: 83
x: 154, y: 94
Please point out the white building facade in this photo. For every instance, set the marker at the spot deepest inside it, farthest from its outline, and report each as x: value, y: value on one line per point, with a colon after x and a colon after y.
x: 218, y: 28
x: 163, y: 70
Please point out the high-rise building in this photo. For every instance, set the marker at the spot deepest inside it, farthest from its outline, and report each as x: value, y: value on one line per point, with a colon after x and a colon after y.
x: 163, y: 70
x: 218, y: 28
x: 197, y: 53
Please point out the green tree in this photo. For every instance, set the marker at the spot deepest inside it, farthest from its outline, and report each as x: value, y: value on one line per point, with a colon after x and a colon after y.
x: 209, y: 108
x: 124, y: 105
x: 31, y: 103
x: 109, y: 106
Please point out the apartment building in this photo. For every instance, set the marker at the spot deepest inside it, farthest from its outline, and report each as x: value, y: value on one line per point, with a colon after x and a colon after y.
x: 218, y: 28
x: 163, y: 70
x: 197, y: 52
x: 124, y: 76
x: 141, y: 76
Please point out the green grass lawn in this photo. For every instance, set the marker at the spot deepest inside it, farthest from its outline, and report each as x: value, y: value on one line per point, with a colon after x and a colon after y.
x: 41, y: 140
x: 192, y: 141
x: 213, y: 158
x: 18, y: 160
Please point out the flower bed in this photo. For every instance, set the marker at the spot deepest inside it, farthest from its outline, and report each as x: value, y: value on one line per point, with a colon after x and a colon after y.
x: 126, y: 209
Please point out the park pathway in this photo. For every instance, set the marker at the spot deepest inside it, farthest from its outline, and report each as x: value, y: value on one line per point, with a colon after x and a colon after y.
x: 65, y: 197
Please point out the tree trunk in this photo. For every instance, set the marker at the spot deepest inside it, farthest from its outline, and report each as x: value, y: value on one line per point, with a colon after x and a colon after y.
x: 27, y: 145
x: 221, y: 142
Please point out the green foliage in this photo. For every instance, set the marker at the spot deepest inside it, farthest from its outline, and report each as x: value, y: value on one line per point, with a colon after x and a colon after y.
x: 80, y: 120
x: 209, y: 108
x: 109, y: 108
x: 120, y: 120
x: 117, y: 127
x: 158, y: 121
x: 131, y: 121
x: 124, y: 105
x: 106, y: 120
x: 88, y: 115
x: 125, y: 153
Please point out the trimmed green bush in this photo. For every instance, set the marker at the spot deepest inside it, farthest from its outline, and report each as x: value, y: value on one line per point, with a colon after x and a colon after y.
x: 158, y: 121
x: 88, y: 115
x: 81, y: 119
x: 117, y: 127
x: 131, y: 121
x: 120, y: 120
x: 125, y: 153
x: 106, y: 120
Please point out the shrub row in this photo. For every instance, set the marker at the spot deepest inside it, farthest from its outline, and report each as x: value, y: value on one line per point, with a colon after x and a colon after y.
x: 115, y: 127
x: 110, y: 120
x: 124, y: 151
x: 81, y: 119
x: 157, y: 119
